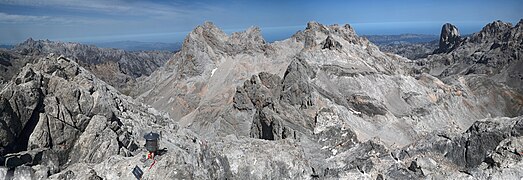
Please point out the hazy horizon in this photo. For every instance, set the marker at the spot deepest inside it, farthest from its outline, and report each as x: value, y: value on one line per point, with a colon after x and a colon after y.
x: 170, y: 21
x: 270, y: 34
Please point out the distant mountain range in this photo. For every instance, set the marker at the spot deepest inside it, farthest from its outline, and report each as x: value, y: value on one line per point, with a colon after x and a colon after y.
x: 401, y: 39
x: 117, y: 67
x: 6, y: 46
x: 128, y: 45
x: 412, y: 46
x: 139, y: 46
x: 173, y: 47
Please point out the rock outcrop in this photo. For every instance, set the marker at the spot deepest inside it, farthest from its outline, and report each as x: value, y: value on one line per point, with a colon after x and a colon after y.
x: 58, y: 108
x: 449, y: 39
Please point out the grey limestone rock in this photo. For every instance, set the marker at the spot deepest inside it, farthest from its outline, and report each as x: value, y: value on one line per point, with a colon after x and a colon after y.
x: 60, y: 107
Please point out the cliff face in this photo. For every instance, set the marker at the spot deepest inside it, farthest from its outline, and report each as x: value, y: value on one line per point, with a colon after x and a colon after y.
x: 324, y: 103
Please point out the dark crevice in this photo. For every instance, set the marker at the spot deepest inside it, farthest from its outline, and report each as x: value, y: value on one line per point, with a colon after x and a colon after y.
x: 70, y: 125
x: 314, y: 175
x: 466, y: 172
x: 78, y: 103
x: 444, y: 136
x: 360, y: 170
x: 57, y: 108
x: 267, y: 131
x: 22, y: 140
x: 49, y: 133
x: 62, y: 119
x: 71, y: 116
x: 465, y: 151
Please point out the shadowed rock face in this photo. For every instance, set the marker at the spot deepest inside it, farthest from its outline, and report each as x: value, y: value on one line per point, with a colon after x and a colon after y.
x: 324, y: 103
x: 269, y: 95
x: 449, y: 39
x: 331, y: 44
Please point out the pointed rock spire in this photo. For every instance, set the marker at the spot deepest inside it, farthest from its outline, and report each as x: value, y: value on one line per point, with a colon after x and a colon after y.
x: 449, y: 39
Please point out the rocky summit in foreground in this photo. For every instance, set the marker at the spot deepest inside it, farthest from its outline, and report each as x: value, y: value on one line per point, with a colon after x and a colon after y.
x: 323, y: 104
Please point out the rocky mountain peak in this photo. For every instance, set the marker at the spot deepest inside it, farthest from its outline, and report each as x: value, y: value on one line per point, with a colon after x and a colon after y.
x: 29, y: 41
x: 334, y: 29
x: 253, y: 34
x: 349, y: 27
x: 315, y: 26
x: 206, y: 33
x: 449, y: 38
x: 492, y: 32
x: 208, y: 29
x: 250, y: 39
x: 315, y: 34
x: 519, y: 24
x: 207, y: 45
x: 497, y: 26
x: 209, y: 25
x: 518, y: 31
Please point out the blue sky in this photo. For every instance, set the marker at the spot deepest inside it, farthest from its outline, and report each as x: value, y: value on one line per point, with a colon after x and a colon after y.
x: 170, y: 21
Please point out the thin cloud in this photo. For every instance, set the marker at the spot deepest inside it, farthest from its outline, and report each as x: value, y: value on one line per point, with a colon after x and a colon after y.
x: 47, y: 20
x: 114, y: 7
x: 14, y: 18
x: 72, y: 4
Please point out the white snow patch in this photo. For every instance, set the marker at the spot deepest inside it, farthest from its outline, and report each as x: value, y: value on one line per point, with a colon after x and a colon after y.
x: 356, y: 112
x: 334, y: 151
x: 212, y: 72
